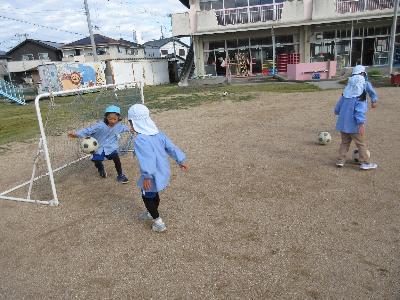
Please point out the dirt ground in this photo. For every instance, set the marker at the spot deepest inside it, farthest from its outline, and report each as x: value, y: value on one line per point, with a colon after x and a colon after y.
x: 263, y: 213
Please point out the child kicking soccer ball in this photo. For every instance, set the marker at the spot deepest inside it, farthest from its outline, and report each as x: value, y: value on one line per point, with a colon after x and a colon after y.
x: 152, y: 149
x: 107, y: 133
x: 351, y: 111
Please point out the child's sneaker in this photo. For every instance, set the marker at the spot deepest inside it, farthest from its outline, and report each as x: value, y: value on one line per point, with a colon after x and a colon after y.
x: 144, y: 216
x: 369, y: 166
x: 339, y: 164
x: 159, y: 225
x: 122, y: 179
x: 103, y: 173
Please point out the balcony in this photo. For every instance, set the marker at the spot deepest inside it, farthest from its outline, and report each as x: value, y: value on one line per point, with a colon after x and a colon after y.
x: 249, y: 14
x: 353, y: 6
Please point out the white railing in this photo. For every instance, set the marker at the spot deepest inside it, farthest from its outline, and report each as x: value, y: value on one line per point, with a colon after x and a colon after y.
x: 249, y: 14
x: 351, y: 6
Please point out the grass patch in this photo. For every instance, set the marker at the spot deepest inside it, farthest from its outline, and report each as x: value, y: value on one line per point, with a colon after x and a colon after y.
x: 18, y: 123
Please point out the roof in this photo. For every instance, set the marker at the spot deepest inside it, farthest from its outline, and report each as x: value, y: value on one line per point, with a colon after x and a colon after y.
x: 46, y: 44
x: 161, y: 42
x: 185, y: 2
x: 101, y: 40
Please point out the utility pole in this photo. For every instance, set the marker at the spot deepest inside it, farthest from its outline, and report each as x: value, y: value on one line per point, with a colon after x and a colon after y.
x: 94, y: 50
x: 393, y: 36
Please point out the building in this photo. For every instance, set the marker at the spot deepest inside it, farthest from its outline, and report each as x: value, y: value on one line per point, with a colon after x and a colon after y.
x: 27, y: 56
x: 3, y: 66
x: 168, y: 46
x: 107, y: 49
x: 262, y: 33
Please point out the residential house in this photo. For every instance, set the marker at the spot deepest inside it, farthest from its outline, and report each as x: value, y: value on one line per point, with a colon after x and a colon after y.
x: 168, y: 46
x: 266, y: 32
x: 107, y: 49
x: 27, y: 56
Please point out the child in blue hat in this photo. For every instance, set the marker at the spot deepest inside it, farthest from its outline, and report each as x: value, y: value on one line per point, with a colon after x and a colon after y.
x: 107, y: 133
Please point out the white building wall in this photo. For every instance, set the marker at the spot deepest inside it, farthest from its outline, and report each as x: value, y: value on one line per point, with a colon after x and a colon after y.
x: 151, y: 72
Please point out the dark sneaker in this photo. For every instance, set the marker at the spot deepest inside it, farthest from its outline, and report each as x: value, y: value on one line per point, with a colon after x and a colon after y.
x: 122, y: 179
x: 103, y: 173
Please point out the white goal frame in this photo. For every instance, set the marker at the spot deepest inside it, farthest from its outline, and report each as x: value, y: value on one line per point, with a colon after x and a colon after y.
x: 43, y: 148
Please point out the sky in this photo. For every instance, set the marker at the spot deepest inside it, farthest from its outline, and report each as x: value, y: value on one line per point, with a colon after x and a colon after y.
x: 112, y: 18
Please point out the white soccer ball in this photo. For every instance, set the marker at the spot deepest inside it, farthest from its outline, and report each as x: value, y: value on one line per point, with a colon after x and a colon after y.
x: 356, y: 155
x: 89, y: 145
x: 324, y: 138
x: 225, y: 93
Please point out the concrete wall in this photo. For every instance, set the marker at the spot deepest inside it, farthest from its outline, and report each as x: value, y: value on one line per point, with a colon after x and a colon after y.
x: 304, y: 71
x: 150, y: 52
x: 151, y: 72
x: 181, y: 24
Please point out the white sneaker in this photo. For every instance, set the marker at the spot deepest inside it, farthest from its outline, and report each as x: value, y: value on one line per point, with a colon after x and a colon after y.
x: 368, y: 166
x: 144, y: 216
x: 340, y: 164
x: 159, y: 225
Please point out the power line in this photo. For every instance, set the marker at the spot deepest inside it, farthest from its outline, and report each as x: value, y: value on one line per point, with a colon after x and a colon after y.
x: 43, y: 26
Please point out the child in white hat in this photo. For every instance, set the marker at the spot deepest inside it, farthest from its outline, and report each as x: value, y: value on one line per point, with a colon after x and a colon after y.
x: 152, y: 149
x: 351, y: 110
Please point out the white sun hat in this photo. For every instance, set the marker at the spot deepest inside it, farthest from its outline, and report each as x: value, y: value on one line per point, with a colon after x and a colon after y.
x: 355, y: 86
x: 358, y: 69
x: 139, y: 115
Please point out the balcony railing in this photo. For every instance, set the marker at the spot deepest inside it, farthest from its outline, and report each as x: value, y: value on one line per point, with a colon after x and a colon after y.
x: 351, y: 6
x: 249, y: 14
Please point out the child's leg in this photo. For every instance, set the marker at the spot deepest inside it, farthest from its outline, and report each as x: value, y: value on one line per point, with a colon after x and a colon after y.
x: 151, y: 201
x: 97, y: 159
x: 344, y: 147
x: 117, y: 163
x: 362, y: 148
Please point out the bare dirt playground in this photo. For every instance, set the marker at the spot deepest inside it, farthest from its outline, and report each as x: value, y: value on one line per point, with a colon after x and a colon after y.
x: 263, y: 213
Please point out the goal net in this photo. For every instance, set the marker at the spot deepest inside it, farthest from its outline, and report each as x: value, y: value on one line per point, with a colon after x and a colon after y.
x: 55, y: 155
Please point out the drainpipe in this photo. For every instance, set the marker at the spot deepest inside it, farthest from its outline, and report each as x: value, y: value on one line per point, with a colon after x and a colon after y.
x: 273, y: 49
x: 393, y: 36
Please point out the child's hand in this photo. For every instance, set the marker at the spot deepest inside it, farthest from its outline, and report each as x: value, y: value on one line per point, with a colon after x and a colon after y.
x: 147, y: 184
x: 361, y: 129
x: 184, y: 167
x: 374, y: 105
x: 72, y: 135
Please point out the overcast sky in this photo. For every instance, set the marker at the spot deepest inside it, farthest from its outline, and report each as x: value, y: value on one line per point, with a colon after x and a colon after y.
x: 114, y: 18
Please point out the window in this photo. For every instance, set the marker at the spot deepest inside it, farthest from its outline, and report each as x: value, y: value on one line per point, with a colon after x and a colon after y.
x: 261, y: 41
x: 43, y: 56
x: 77, y: 52
x: 27, y: 57
x: 211, y: 4
x: 217, y: 45
x: 101, y: 51
x: 164, y: 52
x: 282, y: 39
x: 182, y: 52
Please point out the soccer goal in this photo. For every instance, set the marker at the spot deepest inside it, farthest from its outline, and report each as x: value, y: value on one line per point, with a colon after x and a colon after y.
x: 56, y: 154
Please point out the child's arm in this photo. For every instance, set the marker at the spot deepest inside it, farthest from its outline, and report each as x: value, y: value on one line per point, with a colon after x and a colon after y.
x: 359, y: 113
x: 176, y: 153
x: 146, y: 158
x: 338, y: 105
x: 372, y: 94
x: 89, y: 131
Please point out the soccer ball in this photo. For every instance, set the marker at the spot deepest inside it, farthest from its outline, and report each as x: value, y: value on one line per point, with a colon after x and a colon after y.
x: 89, y: 145
x: 324, y: 138
x: 225, y: 93
x: 356, y: 155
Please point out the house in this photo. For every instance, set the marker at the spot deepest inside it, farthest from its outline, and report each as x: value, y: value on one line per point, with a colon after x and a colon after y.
x: 168, y: 46
x: 3, y: 66
x: 265, y: 33
x: 107, y: 49
x: 28, y: 55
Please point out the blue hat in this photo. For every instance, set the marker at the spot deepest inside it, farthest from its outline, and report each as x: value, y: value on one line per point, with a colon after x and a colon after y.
x: 113, y: 109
